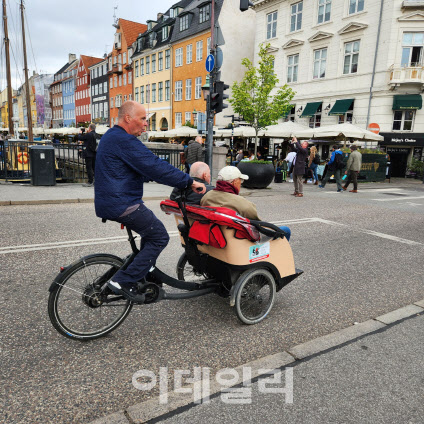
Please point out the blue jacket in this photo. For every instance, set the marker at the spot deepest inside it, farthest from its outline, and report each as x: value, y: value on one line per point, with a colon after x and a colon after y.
x: 332, y: 163
x: 123, y: 164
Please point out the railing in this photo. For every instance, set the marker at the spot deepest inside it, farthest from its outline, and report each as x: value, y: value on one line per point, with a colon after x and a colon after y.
x: 70, y: 166
x: 406, y: 74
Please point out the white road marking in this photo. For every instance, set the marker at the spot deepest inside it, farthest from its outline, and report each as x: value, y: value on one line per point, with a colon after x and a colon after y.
x: 399, y: 198
x: 119, y: 239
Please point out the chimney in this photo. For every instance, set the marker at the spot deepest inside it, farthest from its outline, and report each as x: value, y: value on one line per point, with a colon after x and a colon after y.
x: 72, y: 57
x: 159, y: 16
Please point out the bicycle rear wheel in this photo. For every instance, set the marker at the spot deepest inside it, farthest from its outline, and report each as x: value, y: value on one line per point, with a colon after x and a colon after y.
x: 79, y: 305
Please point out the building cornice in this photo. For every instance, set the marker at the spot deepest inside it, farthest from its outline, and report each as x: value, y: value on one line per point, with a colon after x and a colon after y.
x: 414, y: 16
x: 293, y: 43
x: 352, y: 26
x: 320, y: 35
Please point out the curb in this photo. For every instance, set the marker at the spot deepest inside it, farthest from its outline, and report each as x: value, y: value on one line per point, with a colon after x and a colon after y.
x: 62, y: 201
x: 177, y: 402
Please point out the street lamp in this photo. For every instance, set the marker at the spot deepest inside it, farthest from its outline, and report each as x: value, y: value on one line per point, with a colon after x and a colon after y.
x: 206, y: 88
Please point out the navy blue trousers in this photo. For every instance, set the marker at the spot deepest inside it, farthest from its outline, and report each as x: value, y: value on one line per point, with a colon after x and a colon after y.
x: 154, y: 238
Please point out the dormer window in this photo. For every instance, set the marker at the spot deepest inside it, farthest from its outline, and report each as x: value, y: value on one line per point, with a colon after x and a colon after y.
x: 204, y: 13
x: 171, y: 13
x: 184, y: 22
x: 165, y: 32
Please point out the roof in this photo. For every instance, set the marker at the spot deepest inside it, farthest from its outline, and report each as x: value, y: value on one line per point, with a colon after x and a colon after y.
x: 90, y: 60
x: 131, y: 30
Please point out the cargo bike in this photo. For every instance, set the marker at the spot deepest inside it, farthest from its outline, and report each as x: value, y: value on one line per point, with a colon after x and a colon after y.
x: 231, y: 256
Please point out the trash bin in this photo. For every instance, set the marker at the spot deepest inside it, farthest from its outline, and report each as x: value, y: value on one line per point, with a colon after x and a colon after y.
x: 42, y: 164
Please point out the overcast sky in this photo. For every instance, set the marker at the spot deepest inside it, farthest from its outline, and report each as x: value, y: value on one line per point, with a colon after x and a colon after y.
x: 59, y: 27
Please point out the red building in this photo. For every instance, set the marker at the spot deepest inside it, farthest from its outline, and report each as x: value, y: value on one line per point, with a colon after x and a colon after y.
x: 82, y: 92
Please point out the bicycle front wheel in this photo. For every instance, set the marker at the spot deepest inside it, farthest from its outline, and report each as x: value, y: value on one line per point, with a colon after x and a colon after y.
x: 80, y: 307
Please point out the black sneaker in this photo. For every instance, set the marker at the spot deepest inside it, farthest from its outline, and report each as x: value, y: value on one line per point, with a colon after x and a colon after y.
x: 129, y: 292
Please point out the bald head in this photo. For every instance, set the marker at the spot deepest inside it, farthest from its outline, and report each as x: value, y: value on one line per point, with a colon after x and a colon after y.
x: 132, y: 118
x: 199, y: 139
x: 200, y: 170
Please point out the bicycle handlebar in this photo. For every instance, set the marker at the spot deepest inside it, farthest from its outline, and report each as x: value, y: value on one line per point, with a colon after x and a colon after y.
x: 263, y: 226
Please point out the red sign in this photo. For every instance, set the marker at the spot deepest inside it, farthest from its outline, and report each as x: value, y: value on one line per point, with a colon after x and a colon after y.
x: 375, y: 128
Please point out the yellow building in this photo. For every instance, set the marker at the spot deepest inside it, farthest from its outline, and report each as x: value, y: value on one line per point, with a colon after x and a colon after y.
x: 152, y: 72
x: 4, y: 105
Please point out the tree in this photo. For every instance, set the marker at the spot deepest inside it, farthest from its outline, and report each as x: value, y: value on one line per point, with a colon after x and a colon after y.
x: 252, y: 97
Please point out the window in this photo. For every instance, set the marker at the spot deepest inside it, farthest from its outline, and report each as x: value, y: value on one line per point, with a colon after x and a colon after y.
x: 120, y: 80
x: 198, y: 88
x: 100, y: 88
x: 188, y: 89
x: 124, y: 58
x: 324, y: 11
x: 208, y: 45
x: 296, y: 16
x: 178, y: 117
x: 167, y: 90
x: 165, y: 32
x: 96, y: 90
x: 356, y: 6
x: 115, y: 81
x: 136, y: 68
x: 412, y: 49
x: 148, y: 93
x: 153, y: 62
x: 189, y: 53
x: 129, y: 77
x: 136, y: 94
x: 403, y: 120
x: 142, y: 94
x: 105, y: 87
x: 199, y: 51
x: 141, y: 67
x: 315, y: 121
x: 125, y: 79
x: 184, y: 22
x: 348, y: 116
x: 291, y: 116
x: 187, y: 117
x: 160, y: 61
x: 351, y: 55
x: 271, y: 25
x: 179, y: 57
x: 147, y: 65
x: 111, y: 102
x: 154, y: 93
x: 204, y: 13
x: 160, y: 91
x: 178, y: 91
x: 167, y: 59
x: 320, y: 62
x: 105, y: 109
x: 292, y: 67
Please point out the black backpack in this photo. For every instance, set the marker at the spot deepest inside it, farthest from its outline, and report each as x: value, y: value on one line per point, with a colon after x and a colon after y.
x: 339, y: 161
x: 317, y: 159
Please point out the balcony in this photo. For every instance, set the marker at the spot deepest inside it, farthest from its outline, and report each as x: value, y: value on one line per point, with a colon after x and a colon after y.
x: 117, y: 68
x: 406, y: 75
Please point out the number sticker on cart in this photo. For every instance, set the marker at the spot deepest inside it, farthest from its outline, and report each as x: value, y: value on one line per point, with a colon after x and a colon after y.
x: 258, y: 252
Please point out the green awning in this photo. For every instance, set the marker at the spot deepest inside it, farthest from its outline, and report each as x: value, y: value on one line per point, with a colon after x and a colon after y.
x: 310, y: 109
x: 341, y: 107
x: 407, y: 101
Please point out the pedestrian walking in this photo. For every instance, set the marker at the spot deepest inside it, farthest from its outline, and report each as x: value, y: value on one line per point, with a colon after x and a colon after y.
x: 353, y: 167
x: 334, y: 166
x: 314, y: 160
x: 194, y: 151
x: 299, y: 165
x: 89, y: 151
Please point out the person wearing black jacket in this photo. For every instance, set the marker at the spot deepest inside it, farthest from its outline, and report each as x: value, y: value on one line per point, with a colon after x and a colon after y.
x: 89, y: 151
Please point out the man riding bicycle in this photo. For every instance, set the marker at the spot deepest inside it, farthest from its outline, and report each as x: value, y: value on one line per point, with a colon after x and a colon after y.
x: 123, y: 164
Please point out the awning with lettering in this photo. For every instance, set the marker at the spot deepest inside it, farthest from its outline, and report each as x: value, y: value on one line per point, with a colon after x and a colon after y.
x: 407, y: 101
x: 341, y: 107
x: 310, y: 109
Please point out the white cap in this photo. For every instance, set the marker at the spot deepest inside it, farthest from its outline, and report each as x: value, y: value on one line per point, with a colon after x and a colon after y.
x: 230, y: 173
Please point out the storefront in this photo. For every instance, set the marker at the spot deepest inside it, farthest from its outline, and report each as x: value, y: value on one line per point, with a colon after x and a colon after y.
x: 402, y: 147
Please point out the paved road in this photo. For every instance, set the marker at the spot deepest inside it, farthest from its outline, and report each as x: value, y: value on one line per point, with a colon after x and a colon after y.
x: 369, y: 265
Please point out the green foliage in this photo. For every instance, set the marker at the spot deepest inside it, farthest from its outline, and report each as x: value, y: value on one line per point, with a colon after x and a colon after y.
x: 416, y: 166
x: 262, y: 162
x: 256, y: 97
x: 375, y: 151
x: 188, y: 124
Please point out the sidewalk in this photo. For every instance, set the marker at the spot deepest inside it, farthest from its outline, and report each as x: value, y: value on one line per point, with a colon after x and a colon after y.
x: 371, y: 372
x: 26, y: 194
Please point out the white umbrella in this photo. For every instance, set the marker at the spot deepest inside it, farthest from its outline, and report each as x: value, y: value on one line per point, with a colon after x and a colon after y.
x: 346, y: 130
x: 287, y: 130
x: 101, y: 129
x: 182, y: 132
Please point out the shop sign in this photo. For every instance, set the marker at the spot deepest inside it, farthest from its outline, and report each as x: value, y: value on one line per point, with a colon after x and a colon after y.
x: 397, y: 150
x: 407, y: 139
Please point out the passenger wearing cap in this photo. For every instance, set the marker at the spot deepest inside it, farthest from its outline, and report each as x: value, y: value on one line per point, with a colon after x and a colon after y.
x: 225, y: 194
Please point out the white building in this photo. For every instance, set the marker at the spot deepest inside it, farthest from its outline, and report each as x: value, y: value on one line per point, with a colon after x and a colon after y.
x: 352, y: 60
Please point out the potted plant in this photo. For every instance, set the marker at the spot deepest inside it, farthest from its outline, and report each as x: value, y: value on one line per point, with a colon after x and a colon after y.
x: 260, y: 172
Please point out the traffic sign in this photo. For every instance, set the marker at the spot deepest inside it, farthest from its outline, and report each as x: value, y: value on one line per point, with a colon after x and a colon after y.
x: 373, y: 127
x: 210, y: 63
